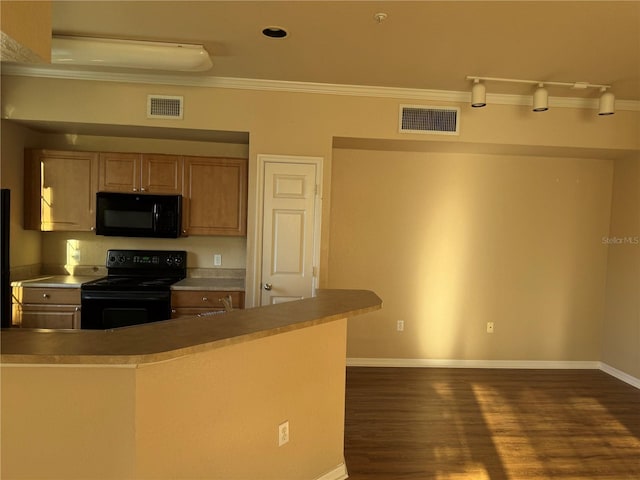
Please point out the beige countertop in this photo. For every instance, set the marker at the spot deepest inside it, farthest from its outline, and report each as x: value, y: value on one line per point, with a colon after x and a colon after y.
x: 210, y: 283
x: 59, y: 281
x: 165, y: 340
x: 71, y: 281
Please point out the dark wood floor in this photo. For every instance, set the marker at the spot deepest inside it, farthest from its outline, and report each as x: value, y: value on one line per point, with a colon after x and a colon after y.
x: 476, y: 424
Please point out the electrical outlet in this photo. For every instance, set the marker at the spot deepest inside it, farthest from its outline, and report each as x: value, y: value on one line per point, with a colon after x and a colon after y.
x: 283, y: 433
x: 400, y: 325
x: 489, y: 327
x: 217, y: 260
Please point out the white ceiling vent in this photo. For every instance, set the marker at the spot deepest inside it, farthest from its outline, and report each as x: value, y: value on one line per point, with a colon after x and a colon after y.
x: 423, y: 119
x: 163, y: 106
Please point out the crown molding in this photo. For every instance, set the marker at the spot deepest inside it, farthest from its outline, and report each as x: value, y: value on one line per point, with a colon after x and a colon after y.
x: 302, y: 87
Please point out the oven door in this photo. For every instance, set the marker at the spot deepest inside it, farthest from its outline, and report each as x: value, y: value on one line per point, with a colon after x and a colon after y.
x: 108, y: 309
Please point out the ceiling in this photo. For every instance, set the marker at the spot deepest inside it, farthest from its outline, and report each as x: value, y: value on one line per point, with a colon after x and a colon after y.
x: 421, y: 44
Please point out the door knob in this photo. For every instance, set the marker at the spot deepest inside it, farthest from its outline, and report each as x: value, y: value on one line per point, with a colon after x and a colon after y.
x: 267, y: 286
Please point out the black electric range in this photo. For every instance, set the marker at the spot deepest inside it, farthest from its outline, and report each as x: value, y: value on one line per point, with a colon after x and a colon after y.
x: 137, y: 288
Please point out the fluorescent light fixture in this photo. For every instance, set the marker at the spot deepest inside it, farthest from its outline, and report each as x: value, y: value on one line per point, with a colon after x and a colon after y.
x: 478, y: 94
x: 540, y: 99
x: 105, y: 52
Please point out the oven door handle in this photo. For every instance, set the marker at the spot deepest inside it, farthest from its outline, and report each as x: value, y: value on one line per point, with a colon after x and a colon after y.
x: 115, y: 296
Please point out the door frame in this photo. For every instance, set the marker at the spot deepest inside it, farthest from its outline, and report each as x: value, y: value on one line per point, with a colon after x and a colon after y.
x: 256, y: 287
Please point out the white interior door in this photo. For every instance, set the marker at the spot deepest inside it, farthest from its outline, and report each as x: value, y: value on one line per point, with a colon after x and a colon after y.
x: 290, y: 230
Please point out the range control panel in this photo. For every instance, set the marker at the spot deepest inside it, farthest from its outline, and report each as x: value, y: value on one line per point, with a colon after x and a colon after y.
x: 147, y: 259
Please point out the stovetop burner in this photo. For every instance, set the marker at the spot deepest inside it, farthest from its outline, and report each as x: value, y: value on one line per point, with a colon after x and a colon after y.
x: 141, y: 270
x: 113, y: 283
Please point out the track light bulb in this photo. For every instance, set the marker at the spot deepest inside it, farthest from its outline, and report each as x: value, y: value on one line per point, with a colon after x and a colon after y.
x: 478, y: 94
x: 540, y: 99
x: 607, y: 103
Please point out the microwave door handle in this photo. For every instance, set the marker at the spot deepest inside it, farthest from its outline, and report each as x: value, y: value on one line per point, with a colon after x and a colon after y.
x: 156, y: 215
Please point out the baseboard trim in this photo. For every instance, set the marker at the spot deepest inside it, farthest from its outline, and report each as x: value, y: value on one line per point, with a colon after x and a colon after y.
x: 338, y: 473
x: 449, y: 363
x: 516, y: 364
x: 620, y: 375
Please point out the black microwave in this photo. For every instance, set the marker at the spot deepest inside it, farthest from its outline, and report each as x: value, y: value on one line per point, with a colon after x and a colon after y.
x: 136, y: 215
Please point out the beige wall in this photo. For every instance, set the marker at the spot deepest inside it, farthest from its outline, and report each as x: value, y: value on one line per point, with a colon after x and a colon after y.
x: 453, y: 241
x: 621, y: 327
x: 548, y: 307
x: 68, y: 423
x: 212, y: 415
x: 25, y: 245
x: 218, y: 417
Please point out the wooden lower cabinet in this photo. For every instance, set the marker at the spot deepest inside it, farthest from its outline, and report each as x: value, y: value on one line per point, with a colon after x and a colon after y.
x: 189, y: 303
x: 36, y: 307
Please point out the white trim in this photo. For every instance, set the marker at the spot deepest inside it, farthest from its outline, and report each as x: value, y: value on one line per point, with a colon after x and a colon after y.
x: 304, y: 87
x: 620, y: 375
x: 337, y: 473
x: 450, y: 363
x: 515, y: 364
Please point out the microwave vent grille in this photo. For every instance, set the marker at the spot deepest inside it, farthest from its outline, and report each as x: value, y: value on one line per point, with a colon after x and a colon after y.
x: 423, y: 119
x: 164, y: 106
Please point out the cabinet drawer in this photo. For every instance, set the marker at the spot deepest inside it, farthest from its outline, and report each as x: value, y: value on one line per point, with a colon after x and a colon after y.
x: 193, y: 312
x: 205, y: 299
x: 51, y: 296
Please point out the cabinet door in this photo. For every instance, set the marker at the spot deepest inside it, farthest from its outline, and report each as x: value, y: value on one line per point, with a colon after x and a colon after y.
x: 60, y: 190
x: 119, y: 172
x: 44, y: 316
x: 215, y: 195
x: 161, y: 174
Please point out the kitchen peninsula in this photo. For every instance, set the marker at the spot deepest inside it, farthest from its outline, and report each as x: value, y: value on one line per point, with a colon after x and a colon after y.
x: 197, y: 397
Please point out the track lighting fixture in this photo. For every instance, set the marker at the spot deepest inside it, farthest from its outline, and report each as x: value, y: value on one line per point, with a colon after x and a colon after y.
x: 478, y: 94
x: 607, y: 103
x: 540, y: 99
x: 541, y: 95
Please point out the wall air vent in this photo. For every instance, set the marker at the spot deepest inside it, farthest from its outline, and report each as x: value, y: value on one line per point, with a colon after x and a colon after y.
x: 163, y: 106
x: 422, y: 119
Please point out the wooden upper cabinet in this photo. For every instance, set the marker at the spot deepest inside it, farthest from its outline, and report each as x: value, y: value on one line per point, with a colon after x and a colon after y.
x: 60, y: 190
x: 215, y: 196
x: 119, y: 172
x: 161, y: 173
x: 145, y: 173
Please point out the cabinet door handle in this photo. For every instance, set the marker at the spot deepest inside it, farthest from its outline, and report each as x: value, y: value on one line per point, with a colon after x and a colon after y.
x: 46, y: 295
x: 205, y: 299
